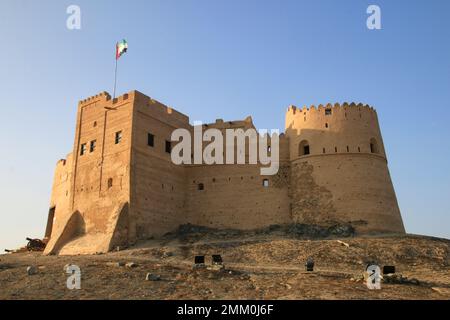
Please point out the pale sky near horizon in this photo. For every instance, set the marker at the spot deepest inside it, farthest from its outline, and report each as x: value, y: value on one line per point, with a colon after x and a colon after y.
x: 226, y: 59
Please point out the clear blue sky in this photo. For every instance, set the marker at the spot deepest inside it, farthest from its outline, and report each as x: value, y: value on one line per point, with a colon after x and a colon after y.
x: 226, y: 59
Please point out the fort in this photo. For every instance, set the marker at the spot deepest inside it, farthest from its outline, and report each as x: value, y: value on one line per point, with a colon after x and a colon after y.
x: 119, y: 185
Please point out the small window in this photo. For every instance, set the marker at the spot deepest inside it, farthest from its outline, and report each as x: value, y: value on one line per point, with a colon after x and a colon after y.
x: 265, y: 183
x: 323, y: 150
x: 306, y: 150
x: 110, y: 183
x: 374, y: 146
x: 83, y: 149
x: 303, y: 148
x: 95, y: 124
x: 269, y: 149
x: 359, y: 149
x: 326, y: 125
x: 327, y: 112
x: 335, y: 149
x: 150, y: 140
x: 200, y: 186
x: 168, y: 146
x: 118, y: 137
x: 92, y: 145
x: 348, y: 150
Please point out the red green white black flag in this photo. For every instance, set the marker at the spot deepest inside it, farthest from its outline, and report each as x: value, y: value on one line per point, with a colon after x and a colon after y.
x: 121, y: 48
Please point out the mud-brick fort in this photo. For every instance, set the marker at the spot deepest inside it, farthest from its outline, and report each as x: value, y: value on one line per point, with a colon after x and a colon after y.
x: 119, y: 185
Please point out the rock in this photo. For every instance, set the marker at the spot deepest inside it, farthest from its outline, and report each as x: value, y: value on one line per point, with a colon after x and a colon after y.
x: 167, y: 254
x: 245, y: 277
x: 152, y: 277
x: 115, y: 264
x: 31, y: 270
x: 343, y: 243
x: 131, y: 265
x: 440, y: 290
x: 216, y: 267
x: 397, y: 278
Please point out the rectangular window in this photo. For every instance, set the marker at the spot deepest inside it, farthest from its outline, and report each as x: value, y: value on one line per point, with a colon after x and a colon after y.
x: 168, y: 146
x: 92, y: 145
x: 150, y: 140
x: 118, y: 137
x: 265, y: 183
x: 83, y: 149
x: 306, y: 150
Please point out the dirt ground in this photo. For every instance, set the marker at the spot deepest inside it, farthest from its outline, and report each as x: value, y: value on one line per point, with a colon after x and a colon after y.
x: 256, y: 267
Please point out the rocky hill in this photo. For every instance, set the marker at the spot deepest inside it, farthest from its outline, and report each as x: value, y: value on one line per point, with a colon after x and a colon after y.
x: 263, y: 264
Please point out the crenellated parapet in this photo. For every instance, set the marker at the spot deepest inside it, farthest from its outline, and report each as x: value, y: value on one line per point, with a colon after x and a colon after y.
x: 101, y: 96
x: 292, y: 109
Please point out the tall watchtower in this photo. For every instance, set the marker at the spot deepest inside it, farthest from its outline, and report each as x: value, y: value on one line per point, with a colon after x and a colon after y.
x: 339, y: 168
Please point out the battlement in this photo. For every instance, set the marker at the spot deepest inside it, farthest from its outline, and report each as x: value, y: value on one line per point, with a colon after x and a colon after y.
x: 337, y: 106
x: 221, y: 124
x: 101, y: 96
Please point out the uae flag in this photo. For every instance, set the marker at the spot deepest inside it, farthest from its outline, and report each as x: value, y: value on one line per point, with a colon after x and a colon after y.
x: 121, y: 48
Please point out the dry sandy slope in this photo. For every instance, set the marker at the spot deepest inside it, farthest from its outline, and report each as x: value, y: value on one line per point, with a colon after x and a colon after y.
x: 264, y: 267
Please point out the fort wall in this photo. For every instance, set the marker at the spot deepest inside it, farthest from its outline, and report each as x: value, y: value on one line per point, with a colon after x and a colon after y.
x: 119, y: 184
x: 339, y: 168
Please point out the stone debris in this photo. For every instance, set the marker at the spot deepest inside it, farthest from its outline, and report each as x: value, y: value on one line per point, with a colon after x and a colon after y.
x: 443, y: 291
x: 297, y: 230
x: 131, y: 265
x: 152, y: 277
x: 397, y: 278
x: 167, y: 254
x: 216, y: 267
x: 31, y: 270
x: 115, y: 264
x: 343, y: 243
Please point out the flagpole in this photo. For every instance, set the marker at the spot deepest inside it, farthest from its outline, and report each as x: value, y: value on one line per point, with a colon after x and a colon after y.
x: 115, y: 79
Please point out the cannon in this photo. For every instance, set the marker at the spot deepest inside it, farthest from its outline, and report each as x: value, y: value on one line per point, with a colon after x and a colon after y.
x: 35, y: 245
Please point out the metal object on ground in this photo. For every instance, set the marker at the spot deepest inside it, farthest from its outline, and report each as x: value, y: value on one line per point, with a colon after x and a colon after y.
x: 309, y: 264
x: 199, y: 262
x: 388, y: 269
x: 217, y: 259
x: 35, y: 245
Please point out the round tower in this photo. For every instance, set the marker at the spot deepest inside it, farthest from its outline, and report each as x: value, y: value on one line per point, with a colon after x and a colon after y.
x: 339, y: 170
